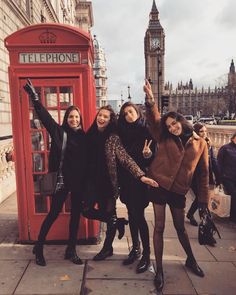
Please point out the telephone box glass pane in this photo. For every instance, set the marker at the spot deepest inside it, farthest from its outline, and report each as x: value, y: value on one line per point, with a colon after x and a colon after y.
x: 38, y: 161
x: 36, y: 179
x: 35, y: 123
x: 40, y: 204
x: 62, y: 114
x: 50, y: 96
x: 54, y: 114
x: 65, y: 96
x: 37, y: 141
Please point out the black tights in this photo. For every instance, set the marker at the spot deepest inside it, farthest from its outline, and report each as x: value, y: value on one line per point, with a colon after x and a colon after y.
x: 56, y: 206
x: 138, y: 225
x: 178, y: 219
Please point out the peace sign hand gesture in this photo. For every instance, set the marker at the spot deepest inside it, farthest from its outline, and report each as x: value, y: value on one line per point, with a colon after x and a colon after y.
x: 147, y: 153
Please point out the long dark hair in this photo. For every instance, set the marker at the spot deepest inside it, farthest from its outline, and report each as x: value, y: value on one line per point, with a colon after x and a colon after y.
x: 187, y: 127
x: 122, y: 119
x: 111, y: 127
x: 67, y: 113
x: 197, y: 127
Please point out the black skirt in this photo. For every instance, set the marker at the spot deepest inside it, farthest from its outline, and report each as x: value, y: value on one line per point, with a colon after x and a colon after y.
x: 161, y: 196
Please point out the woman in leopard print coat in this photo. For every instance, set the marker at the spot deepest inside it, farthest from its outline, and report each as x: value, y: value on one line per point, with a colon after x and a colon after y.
x: 104, y: 150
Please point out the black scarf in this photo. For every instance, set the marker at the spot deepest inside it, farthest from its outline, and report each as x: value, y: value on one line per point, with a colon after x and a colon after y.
x: 130, y: 132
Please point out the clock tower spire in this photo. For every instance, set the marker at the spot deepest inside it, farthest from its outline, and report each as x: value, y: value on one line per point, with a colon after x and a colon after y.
x: 154, y: 51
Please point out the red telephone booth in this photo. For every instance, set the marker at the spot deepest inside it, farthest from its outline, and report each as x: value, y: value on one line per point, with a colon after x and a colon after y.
x: 58, y: 59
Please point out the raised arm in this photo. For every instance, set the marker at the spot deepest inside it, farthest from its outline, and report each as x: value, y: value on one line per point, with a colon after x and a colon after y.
x: 49, y: 123
x: 152, y: 112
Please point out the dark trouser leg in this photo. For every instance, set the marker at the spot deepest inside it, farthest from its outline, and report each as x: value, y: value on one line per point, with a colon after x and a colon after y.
x: 194, y: 206
x: 76, y: 209
x: 159, y: 215
x: 230, y: 187
x: 109, y: 206
x: 138, y: 225
x: 56, y: 207
x: 133, y: 225
x: 144, y: 234
x: 135, y: 252
x: 178, y: 219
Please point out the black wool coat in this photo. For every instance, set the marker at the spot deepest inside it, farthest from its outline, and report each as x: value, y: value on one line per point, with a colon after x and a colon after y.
x: 75, y: 157
x: 133, y: 136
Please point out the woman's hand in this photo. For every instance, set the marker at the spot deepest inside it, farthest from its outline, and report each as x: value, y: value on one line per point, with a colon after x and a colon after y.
x: 29, y: 88
x: 149, y: 181
x: 148, y: 90
x: 147, y: 153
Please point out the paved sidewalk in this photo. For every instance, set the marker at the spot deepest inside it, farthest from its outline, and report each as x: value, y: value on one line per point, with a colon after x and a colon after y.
x: 20, y: 275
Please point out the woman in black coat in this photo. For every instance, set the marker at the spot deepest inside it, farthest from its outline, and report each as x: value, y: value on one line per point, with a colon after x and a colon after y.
x: 214, y: 175
x: 74, y: 164
x: 135, y: 136
x: 104, y: 152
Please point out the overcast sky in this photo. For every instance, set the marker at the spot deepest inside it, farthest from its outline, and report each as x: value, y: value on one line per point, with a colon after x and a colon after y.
x: 200, y: 41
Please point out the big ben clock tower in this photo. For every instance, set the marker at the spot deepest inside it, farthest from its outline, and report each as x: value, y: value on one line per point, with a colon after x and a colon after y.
x: 154, y: 50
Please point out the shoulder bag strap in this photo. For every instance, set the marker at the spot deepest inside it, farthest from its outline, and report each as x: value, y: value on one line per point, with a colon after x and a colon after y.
x: 62, y: 152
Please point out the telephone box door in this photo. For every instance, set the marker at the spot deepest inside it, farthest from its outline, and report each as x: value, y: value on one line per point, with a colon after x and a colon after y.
x: 56, y: 95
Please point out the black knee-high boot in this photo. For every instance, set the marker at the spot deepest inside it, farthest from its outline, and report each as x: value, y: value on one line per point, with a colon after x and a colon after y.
x: 107, y: 249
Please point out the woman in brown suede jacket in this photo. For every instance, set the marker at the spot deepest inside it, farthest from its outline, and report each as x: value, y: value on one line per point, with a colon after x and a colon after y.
x: 180, y: 152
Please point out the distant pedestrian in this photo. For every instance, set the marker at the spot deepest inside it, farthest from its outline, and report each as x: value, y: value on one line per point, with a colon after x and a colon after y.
x: 105, y: 152
x: 214, y: 176
x: 138, y: 143
x: 73, y: 168
x: 227, y: 164
x: 180, y: 152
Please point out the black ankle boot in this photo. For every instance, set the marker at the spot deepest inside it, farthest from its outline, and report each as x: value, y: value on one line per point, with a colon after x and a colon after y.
x: 103, y: 254
x: 121, y: 222
x: 192, y: 264
x: 38, y: 252
x: 143, y: 263
x: 134, y: 254
x: 159, y: 280
x: 71, y: 255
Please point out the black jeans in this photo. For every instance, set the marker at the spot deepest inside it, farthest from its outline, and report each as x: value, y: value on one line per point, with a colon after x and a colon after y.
x: 56, y: 206
x: 138, y: 225
x: 194, y: 206
x: 230, y: 186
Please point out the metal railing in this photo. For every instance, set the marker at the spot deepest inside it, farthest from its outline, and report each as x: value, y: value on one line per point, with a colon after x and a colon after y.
x: 220, y: 135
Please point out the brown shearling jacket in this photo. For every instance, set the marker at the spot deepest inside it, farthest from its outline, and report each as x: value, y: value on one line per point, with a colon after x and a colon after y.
x: 174, y: 164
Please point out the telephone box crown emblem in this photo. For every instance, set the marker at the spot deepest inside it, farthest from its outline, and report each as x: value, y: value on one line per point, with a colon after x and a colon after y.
x: 47, y: 38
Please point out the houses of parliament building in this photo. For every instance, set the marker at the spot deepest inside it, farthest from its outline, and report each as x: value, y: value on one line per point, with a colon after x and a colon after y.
x: 185, y: 98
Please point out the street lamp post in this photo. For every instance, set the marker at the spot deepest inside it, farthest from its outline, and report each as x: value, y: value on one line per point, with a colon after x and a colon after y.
x: 129, y: 96
x: 121, y: 98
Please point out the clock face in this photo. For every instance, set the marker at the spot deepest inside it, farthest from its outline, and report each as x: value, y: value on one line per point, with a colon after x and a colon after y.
x: 155, y: 43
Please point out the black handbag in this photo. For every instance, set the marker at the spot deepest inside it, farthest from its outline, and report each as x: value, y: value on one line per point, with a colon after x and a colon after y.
x: 207, y: 229
x: 52, y: 182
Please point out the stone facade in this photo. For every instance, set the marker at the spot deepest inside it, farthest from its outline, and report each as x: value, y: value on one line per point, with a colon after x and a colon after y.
x: 100, y: 74
x: 14, y: 15
x: 187, y: 99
